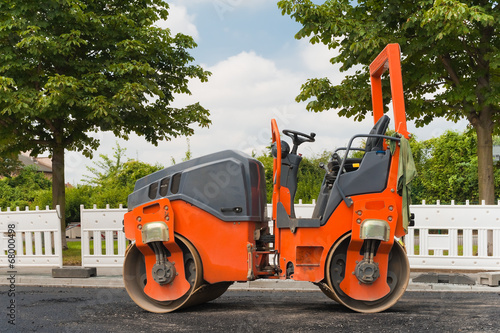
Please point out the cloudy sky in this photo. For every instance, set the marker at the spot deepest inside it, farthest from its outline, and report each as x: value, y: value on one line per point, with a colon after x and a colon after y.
x: 257, y: 69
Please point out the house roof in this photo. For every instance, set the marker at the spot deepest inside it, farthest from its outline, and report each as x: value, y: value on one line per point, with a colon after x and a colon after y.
x: 28, y: 160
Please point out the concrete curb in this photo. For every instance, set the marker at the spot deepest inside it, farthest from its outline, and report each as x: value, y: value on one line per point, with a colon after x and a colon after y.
x: 446, y: 287
x: 48, y: 281
x: 112, y: 278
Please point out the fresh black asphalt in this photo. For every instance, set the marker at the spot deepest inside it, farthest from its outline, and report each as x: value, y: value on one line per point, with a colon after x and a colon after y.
x: 74, y: 309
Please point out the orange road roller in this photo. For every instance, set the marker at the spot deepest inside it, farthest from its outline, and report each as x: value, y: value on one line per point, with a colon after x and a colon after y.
x: 199, y: 226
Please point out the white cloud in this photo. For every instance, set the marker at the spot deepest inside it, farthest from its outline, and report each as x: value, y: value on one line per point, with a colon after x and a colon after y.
x: 179, y: 21
x: 244, y: 93
x: 316, y: 58
x: 245, y: 81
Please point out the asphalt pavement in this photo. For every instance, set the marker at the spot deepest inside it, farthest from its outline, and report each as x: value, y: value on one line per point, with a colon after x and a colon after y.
x: 74, y: 310
x: 34, y: 301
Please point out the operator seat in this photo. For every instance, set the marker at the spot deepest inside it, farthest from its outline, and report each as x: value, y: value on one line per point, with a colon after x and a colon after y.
x: 372, y: 144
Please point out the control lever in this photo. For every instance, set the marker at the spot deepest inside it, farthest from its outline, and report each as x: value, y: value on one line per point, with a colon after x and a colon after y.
x: 330, y: 176
x: 322, y: 165
x: 336, y: 157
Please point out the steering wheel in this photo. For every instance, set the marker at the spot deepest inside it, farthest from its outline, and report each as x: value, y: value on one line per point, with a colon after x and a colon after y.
x: 299, y: 138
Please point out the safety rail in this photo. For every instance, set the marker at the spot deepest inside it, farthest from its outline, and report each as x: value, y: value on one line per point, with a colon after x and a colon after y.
x: 103, y: 239
x: 30, y: 238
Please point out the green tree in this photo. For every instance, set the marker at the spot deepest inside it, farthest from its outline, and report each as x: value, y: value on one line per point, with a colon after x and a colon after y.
x: 75, y: 197
x: 447, y: 168
x: 309, y: 177
x: 450, y: 61
x: 113, y: 179
x: 114, y: 190
x: 26, y: 189
x: 73, y: 67
x: 106, y: 170
x: 9, y: 164
x: 267, y: 161
x: 132, y: 171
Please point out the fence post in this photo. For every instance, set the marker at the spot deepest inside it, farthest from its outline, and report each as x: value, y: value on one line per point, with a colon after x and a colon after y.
x: 37, y: 236
x: 98, y: 222
x: 455, y: 236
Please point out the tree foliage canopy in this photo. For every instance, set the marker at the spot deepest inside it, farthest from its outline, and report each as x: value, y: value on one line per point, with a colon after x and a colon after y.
x: 447, y: 168
x: 113, y: 179
x: 27, y: 188
x: 450, y: 53
x: 9, y: 164
x: 450, y: 60
x: 70, y: 67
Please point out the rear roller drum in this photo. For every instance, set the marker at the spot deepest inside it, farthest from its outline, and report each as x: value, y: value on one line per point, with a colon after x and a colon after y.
x: 398, y: 276
x: 135, y: 279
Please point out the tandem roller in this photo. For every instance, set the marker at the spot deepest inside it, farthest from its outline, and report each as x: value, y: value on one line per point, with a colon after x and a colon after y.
x: 167, y: 276
x: 199, y: 226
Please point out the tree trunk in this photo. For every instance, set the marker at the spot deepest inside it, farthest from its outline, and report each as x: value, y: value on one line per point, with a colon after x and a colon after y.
x: 58, y: 188
x: 484, y: 131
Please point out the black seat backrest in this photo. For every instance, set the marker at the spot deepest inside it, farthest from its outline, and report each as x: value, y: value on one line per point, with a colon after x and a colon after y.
x: 361, y: 181
x: 375, y: 144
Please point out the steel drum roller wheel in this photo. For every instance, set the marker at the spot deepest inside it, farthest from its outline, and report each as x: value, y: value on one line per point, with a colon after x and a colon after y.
x: 397, y: 278
x: 134, y: 276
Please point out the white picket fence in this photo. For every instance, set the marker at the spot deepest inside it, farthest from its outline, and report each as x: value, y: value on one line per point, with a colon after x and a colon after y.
x: 444, y: 236
x: 100, y: 229
x: 454, y: 237
x: 31, y: 238
x: 106, y: 225
x: 301, y: 210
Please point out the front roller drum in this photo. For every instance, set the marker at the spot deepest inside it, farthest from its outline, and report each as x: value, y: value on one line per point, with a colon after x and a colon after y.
x: 135, y: 279
x: 398, y: 276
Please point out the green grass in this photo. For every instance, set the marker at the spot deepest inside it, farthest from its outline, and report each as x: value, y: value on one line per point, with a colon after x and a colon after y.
x: 445, y: 252
x: 73, y: 255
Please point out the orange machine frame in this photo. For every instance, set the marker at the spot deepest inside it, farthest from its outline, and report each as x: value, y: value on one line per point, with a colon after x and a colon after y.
x: 308, y: 248
x: 389, y: 59
x: 228, y: 249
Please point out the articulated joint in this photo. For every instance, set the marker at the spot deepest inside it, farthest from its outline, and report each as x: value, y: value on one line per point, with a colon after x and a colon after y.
x: 155, y: 232
x: 375, y: 229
